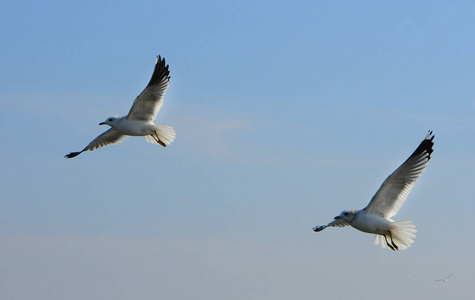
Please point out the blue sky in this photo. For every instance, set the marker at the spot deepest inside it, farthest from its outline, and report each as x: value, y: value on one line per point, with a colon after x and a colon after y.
x: 286, y: 114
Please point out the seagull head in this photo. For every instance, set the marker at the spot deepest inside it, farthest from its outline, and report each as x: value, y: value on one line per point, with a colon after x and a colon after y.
x: 110, y: 121
x: 347, y: 215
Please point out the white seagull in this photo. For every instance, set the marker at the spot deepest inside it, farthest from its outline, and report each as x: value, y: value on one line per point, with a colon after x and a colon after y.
x: 375, y: 218
x: 445, y: 279
x: 139, y: 120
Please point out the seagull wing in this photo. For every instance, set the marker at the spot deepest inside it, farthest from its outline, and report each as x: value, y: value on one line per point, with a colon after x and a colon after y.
x: 109, y: 137
x: 395, y: 189
x: 149, y: 102
x: 335, y: 223
x: 338, y: 223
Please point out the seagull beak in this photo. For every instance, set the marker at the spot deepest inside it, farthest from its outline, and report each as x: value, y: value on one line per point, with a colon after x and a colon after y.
x: 337, y: 218
x: 102, y: 123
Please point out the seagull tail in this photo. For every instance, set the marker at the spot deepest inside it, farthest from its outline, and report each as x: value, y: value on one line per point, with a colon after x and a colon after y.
x: 163, y: 135
x: 403, y: 234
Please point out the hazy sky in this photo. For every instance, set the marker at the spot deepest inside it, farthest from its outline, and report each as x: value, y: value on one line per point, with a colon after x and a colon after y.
x: 286, y: 113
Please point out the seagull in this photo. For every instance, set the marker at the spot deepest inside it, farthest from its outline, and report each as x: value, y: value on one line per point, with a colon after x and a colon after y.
x: 139, y: 120
x: 375, y: 218
x: 445, y: 279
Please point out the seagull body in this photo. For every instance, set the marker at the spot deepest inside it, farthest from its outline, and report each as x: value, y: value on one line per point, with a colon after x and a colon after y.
x: 376, y: 217
x: 368, y: 222
x: 139, y: 120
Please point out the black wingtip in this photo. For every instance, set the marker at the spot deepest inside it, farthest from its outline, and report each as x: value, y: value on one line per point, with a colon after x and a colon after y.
x: 319, y: 228
x: 72, y: 154
x: 430, y: 136
x: 161, y: 71
x: 160, y: 60
x: 426, y: 145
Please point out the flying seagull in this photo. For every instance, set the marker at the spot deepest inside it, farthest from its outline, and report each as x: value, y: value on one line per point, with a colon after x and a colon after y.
x: 375, y: 218
x: 139, y: 120
x: 445, y: 279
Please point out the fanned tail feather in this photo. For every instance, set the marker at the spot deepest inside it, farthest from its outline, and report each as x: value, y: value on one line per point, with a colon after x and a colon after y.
x: 403, y: 234
x: 166, y: 135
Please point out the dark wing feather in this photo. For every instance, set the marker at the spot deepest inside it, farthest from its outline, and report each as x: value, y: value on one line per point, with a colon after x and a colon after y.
x: 395, y: 189
x: 109, y: 137
x: 149, y: 102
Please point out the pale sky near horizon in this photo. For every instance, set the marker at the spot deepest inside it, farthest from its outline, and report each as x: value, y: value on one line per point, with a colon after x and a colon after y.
x: 286, y: 113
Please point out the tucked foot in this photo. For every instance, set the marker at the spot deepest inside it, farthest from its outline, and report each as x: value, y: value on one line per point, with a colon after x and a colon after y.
x: 392, y: 241
x: 395, y: 246
x: 162, y: 143
x: 388, y: 244
x: 157, y: 139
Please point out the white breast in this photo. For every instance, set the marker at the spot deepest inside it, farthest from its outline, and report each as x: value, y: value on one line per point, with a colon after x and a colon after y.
x: 371, y: 223
x: 133, y: 127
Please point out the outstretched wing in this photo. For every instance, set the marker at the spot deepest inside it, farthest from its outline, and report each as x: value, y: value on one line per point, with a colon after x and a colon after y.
x: 109, y: 137
x: 149, y: 102
x: 395, y: 189
x: 335, y: 223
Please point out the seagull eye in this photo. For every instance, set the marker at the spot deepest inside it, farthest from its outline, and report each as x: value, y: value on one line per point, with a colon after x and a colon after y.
x: 110, y: 120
